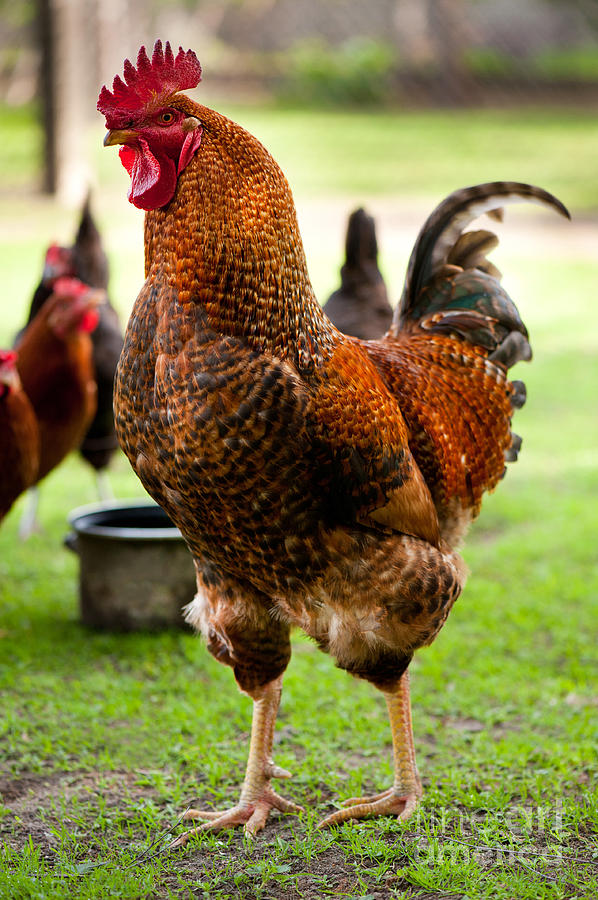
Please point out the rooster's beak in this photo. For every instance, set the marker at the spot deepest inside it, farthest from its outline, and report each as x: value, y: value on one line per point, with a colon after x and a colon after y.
x: 119, y: 136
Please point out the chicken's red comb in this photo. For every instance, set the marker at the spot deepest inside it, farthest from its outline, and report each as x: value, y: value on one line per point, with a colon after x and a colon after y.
x: 8, y: 358
x: 151, y: 81
x: 55, y: 253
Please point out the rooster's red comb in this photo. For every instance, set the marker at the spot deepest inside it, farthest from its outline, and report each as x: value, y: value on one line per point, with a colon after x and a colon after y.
x: 151, y: 81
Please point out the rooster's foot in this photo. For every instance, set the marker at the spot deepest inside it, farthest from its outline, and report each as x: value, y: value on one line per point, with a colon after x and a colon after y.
x: 257, y: 796
x: 389, y: 803
x: 252, y: 814
x: 402, y: 798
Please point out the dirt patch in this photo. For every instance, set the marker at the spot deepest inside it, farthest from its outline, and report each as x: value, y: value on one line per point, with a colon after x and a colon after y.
x: 40, y: 806
x: 29, y: 792
x: 13, y: 789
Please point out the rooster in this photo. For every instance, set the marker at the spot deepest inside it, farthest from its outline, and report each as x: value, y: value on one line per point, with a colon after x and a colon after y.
x: 319, y: 481
x: 87, y: 261
x: 55, y: 365
x: 360, y: 306
x: 19, y: 448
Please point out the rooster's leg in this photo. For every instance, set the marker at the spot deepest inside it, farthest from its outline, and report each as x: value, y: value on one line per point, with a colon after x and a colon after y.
x: 29, y: 523
x: 257, y: 797
x: 104, y: 488
x: 402, y: 798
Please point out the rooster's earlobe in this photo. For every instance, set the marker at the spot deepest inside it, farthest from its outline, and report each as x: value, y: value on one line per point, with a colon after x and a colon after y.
x: 190, y: 124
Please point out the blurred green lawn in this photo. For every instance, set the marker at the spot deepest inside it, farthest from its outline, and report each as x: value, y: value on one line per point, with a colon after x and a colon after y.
x: 505, y: 700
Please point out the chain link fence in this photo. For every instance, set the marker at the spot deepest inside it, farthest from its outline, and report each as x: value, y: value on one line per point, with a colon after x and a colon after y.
x: 418, y: 52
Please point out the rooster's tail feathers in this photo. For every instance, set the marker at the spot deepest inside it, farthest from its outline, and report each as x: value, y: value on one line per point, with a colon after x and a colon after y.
x: 452, y: 288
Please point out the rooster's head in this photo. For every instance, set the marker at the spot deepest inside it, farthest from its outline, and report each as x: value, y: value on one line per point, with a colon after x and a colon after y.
x: 73, y: 307
x: 147, y: 116
x: 58, y: 263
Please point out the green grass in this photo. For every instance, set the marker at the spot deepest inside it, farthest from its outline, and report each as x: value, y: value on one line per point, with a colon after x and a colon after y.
x: 106, y: 738
x: 389, y: 152
x: 21, y: 146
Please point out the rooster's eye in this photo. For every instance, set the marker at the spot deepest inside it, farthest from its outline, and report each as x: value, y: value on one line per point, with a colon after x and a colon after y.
x: 165, y: 118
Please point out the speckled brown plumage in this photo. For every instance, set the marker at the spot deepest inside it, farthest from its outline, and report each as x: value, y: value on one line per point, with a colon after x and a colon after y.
x: 319, y: 481
x: 58, y: 377
x: 457, y: 407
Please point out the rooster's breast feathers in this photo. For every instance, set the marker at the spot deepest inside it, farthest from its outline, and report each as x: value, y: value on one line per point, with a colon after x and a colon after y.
x: 285, y: 450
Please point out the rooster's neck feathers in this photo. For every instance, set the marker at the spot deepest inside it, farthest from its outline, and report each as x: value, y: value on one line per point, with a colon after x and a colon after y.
x: 240, y: 254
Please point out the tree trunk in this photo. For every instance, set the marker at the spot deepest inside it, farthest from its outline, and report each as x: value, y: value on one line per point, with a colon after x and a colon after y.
x: 63, y: 91
x: 47, y: 93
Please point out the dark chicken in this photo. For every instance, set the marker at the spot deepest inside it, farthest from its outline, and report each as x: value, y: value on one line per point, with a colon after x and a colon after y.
x: 19, y: 443
x: 319, y: 481
x: 56, y: 368
x: 360, y: 306
x: 87, y: 261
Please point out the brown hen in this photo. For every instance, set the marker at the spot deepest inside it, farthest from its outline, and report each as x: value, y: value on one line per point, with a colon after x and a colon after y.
x: 319, y: 481
x: 86, y: 261
x: 56, y: 368
x: 19, y: 445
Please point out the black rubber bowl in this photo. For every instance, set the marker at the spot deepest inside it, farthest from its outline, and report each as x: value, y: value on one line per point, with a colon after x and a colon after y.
x: 135, y: 571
